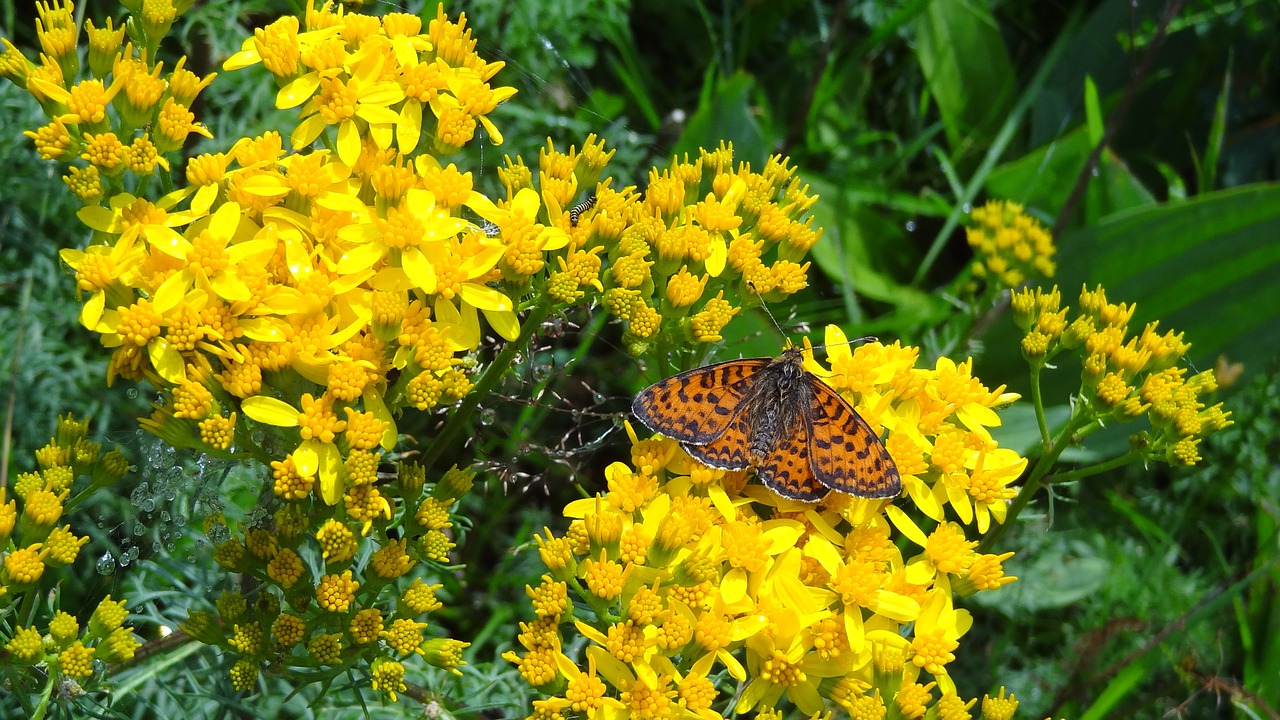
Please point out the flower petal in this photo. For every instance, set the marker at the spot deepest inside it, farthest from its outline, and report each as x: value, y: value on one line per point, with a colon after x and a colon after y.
x: 167, y: 361
x: 504, y: 323
x: 270, y: 411
x: 331, y: 485
x: 485, y: 298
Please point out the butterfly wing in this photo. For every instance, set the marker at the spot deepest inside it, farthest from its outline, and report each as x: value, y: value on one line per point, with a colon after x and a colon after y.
x: 845, y: 452
x: 698, y: 406
x: 788, y: 471
x: 729, y: 451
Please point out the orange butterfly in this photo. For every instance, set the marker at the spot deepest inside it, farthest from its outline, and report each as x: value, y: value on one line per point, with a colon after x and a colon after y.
x: 802, y: 438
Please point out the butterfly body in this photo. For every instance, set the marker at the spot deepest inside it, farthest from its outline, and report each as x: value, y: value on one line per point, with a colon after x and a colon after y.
x: 802, y: 438
x: 773, y: 412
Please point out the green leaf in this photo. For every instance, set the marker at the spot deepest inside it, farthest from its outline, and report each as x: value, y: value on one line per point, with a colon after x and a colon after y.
x: 967, y: 69
x: 858, y: 251
x: 1056, y: 577
x: 725, y: 113
x: 1208, y: 169
x: 1176, y: 188
x: 1121, y: 686
x: 1093, y: 111
x: 1206, y: 266
x: 1044, y: 177
x: 631, y: 71
x: 993, y: 153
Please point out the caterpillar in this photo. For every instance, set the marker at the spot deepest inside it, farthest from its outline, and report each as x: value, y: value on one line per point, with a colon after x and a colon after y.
x: 575, y: 212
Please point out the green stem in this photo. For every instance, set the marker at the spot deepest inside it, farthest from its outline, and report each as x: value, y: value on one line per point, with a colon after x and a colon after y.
x: 1037, y: 401
x: 461, y: 417
x: 1036, y: 481
x: 26, y: 614
x: 663, y: 357
x: 597, y: 604
x: 1084, y: 472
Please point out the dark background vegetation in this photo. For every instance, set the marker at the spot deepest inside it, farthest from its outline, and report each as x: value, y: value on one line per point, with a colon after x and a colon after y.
x: 1145, y: 132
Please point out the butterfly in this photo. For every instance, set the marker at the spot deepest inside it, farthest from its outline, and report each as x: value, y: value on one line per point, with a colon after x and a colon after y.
x: 801, y: 437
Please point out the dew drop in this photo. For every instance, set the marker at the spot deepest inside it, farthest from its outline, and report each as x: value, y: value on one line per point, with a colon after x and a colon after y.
x: 219, y: 534
x: 106, y: 564
x: 911, y: 226
x: 541, y: 372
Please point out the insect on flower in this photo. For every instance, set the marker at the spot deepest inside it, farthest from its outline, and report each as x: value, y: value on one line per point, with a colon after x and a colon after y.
x: 575, y: 212
x: 801, y: 437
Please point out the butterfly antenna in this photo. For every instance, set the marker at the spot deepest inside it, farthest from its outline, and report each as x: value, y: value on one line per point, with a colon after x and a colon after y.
x: 765, y: 306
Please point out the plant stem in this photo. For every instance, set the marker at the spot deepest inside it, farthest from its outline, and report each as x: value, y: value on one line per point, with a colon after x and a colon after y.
x: 461, y: 417
x: 1035, y: 482
x: 1037, y: 401
x: 1101, y: 467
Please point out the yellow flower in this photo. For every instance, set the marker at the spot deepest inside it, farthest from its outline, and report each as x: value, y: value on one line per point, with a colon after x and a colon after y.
x: 335, y: 593
x: 337, y: 543
x: 77, y: 660
x: 404, y: 636
x: 999, y: 707
x: 326, y: 648
x: 243, y: 675
x: 23, y: 566
x: 1011, y: 246
x: 782, y: 663
x: 525, y: 238
x: 366, y: 626
x: 937, y: 634
x: 316, y: 454
x: 288, y: 630
x: 25, y: 644
x: 387, y: 676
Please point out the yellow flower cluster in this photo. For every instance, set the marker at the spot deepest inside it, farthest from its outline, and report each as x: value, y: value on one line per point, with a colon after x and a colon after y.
x: 1010, y: 246
x: 312, y: 294
x: 681, y: 572
x: 1125, y: 375
x: 303, y: 619
x: 36, y: 542
x: 113, y: 126
x: 663, y: 260
x: 303, y: 289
